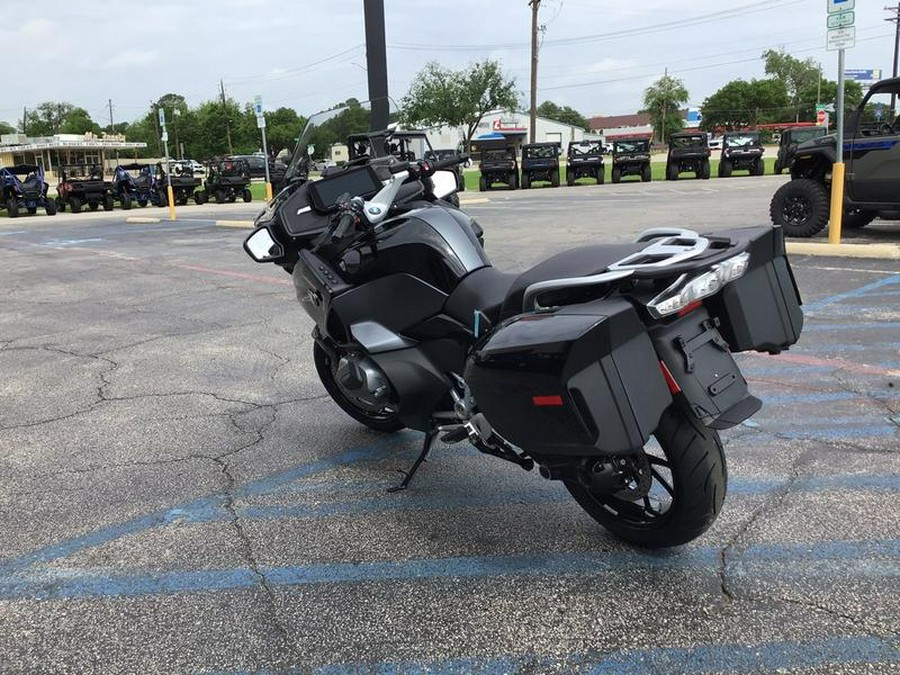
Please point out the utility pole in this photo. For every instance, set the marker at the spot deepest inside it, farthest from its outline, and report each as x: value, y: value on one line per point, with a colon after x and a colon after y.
x: 155, y: 109
x: 535, y: 5
x: 227, y: 123
x: 665, y: 111
x: 112, y: 127
x: 24, y: 120
x: 896, y: 20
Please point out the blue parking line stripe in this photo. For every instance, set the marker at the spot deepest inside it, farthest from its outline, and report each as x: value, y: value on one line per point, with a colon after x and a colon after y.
x: 864, y: 559
x: 812, y: 327
x: 703, y: 658
x: 862, y: 290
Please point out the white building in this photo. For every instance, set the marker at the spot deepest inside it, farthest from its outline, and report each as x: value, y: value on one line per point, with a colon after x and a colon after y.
x: 62, y: 149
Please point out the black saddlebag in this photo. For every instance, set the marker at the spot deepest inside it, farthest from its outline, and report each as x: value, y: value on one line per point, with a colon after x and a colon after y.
x: 584, y: 380
x: 761, y: 310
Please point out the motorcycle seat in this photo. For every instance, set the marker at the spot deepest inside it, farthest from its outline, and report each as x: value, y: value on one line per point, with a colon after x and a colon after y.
x: 498, y: 295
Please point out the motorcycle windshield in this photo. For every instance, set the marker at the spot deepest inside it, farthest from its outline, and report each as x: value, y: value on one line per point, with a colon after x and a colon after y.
x: 326, y: 135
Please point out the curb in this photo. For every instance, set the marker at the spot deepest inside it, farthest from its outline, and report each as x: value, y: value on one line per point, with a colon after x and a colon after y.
x: 142, y: 220
x: 880, y: 251
x: 479, y: 200
x: 235, y: 223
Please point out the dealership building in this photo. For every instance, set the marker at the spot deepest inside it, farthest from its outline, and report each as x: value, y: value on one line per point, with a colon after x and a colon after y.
x: 63, y: 149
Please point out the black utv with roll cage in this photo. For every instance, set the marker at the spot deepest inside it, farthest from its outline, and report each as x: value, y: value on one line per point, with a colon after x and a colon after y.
x: 631, y: 157
x: 138, y: 180
x: 81, y: 185
x: 688, y: 152
x: 226, y: 180
x: 790, y: 139
x: 184, y: 184
x: 742, y: 151
x: 498, y: 163
x: 585, y: 160
x: 540, y: 162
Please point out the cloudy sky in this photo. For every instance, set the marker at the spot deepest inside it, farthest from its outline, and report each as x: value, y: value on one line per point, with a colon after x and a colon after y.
x: 597, y: 56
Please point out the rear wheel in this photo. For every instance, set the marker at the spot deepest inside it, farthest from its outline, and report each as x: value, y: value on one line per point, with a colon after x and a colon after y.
x: 386, y: 421
x: 108, y: 203
x: 704, y: 170
x: 126, y: 201
x: 725, y: 169
x: 75, y: 203
x: 482, y: 184
x: 570, y: 178
x: 671, y: 172
x: 801, y: 207
x: 201, y: 197
x: 616, y: 174
x: 601, y: 175
x: 676, y: 489
x: 759, y: 169
x: 12, y: 208
x: 247, y: 195
x: 646, y: 174
x: 50, y: 207
x: 554, y: 179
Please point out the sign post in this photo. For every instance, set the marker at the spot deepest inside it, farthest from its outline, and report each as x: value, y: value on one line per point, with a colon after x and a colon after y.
x: 261, y: 125
x: 841, y: 35
x: 165, y: 139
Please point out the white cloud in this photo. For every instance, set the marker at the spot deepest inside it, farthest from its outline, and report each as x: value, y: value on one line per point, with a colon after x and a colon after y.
x: 130, y: 58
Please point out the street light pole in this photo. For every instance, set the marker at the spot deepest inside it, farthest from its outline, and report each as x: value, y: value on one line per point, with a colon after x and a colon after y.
x: 535, y: 5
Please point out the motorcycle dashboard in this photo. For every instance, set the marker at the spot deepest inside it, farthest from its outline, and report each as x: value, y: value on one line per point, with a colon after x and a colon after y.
x: 357, y: 182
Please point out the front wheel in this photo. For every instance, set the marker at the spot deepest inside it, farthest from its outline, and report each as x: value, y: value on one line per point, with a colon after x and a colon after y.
x: 126, y: 201
x: 801, y: 207
x: 687, y: 481
x: 108, y: 203
x: 646, y: 174
x: 247, y: 195
x: 50, y: 207
x: 385, y: 421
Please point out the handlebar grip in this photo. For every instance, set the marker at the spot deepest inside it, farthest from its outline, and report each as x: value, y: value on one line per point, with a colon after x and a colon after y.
x: 344, y: 224
x: 450, y: 161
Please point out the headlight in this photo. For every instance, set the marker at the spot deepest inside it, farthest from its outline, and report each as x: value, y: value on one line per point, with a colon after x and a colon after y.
x: 687, y: 289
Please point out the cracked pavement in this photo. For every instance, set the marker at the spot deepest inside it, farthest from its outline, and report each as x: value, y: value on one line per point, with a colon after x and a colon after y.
x: 178, y: 494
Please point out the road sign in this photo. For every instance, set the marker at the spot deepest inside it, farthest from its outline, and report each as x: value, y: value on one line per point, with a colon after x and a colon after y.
x: 822, y: 118
x: 257, y: 105
x: 260, y: 121
x: 162, y: 116
x: 841, y: 20
x: 165, y: 136
x: 840, y: 5
x: 872, y: 75
x: 841, y: 38
x: 879, y: 111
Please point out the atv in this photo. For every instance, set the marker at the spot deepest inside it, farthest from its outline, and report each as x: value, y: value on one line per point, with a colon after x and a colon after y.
x: 787, y: 145
x: 184, y: 184
x: 631, y: 157
x: 498, y: 164
x: 871, y: 178
x: 688, y: 152
x: 226, y: 180
x: 742, y: 151
x: 29, y: 194
x: 585, y: 160
x: 139, y: 183
x: 540, y: 162
x: 80, y: 185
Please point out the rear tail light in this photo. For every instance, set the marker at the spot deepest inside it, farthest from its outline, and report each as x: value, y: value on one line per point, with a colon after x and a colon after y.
x: 688, y: 290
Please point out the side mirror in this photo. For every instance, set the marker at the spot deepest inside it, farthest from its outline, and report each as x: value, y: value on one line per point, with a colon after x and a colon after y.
x: 262, y: 247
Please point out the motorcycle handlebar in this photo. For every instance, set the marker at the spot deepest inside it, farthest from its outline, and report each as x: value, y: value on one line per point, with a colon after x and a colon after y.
x: 427, y: 167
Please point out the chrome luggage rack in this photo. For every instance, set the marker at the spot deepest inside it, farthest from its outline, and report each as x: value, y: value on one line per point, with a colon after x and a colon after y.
x: 667, y: 247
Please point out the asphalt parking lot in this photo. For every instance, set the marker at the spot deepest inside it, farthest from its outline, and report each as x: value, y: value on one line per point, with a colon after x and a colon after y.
x: 178, y: 494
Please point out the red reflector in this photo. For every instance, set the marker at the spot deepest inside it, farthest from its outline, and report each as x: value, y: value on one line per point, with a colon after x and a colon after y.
x: 547, y: 400
x: 690, y: 308
x: 670, y: 379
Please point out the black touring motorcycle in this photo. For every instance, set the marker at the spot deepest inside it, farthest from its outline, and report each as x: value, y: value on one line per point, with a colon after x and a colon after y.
x: 572, y: 365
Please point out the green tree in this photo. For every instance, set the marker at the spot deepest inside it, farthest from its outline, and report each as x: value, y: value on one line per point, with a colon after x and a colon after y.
x: 78, y: 121
x: 662, y: 101
x: 812, y: 94
x: 439, y: 96
x: 283, y: 127
x: 563, y: 114
x: 47, y: 118
x: 741, y: 104
x: 6, y: 128
x: 797, y: 76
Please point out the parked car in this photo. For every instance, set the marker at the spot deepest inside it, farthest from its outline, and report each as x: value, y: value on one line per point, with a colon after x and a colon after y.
x: 322, y: 164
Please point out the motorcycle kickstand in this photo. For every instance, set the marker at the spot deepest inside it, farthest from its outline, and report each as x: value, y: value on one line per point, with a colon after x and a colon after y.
x: 408, y: 475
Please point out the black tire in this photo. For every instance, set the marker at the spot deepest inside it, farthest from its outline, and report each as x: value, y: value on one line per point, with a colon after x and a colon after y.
x: 93, y: 206
x: 616, y: 174
x: 725, y: 169
x: 75, y: 204
x: 12, y: 208
x: 163, y: 198
x: 646, y: 174
x: 482, y: 184
x: 60, y: 206
x: 688, y: 471
x: 554, y: 179
x: 247, y: 195
x: 601, y: 175
x: 526, y: 182
x: 201, y: 197
x: 50, y: 207
x: 384, y: 422
x: 671, y: 172
x: 220, y: 196
x: 514, y: 182
x: 108, y: 203
x: 704, y: 170
x: 778, y: 168
x: 857, y: 218
x: 126, y: 201
x: 801, y: 207
x: 570, y: 178
x: 759, y: 169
